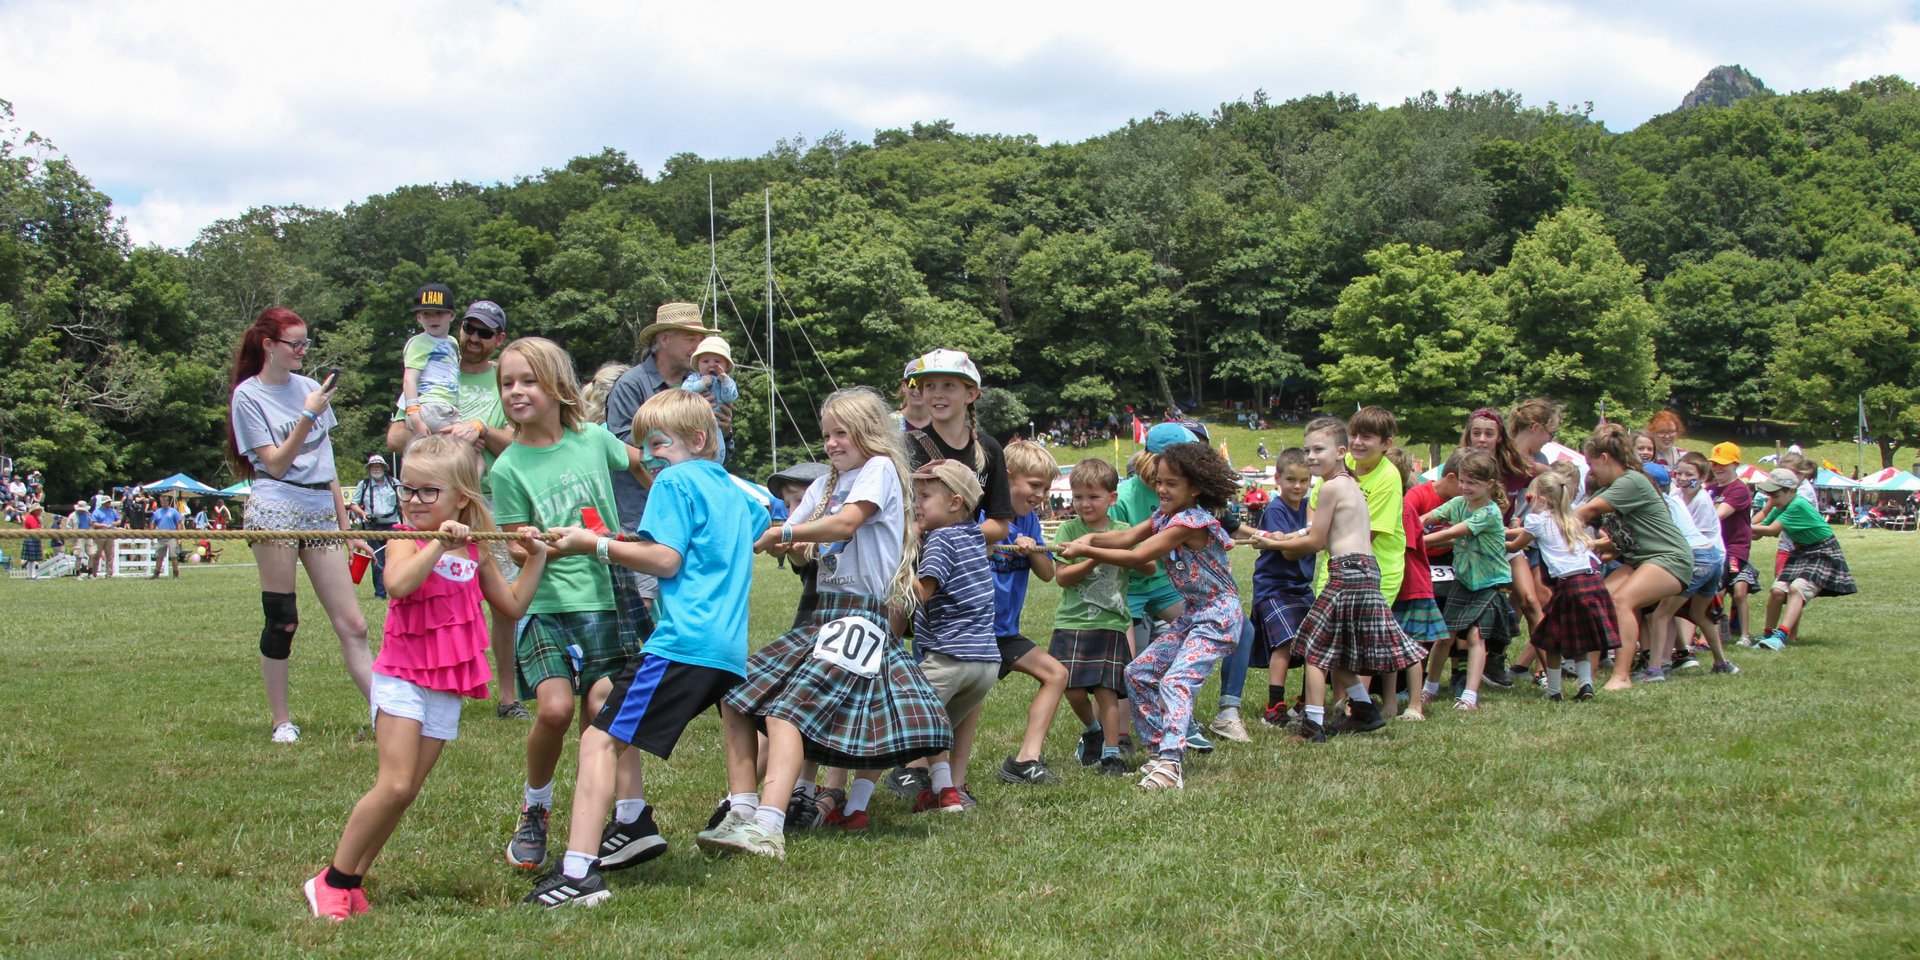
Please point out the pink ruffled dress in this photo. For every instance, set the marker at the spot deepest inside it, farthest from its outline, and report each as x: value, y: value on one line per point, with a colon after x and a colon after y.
x: 436, y: 636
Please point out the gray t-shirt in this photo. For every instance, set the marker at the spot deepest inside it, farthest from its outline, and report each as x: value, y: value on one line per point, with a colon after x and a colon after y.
x: 265, y: 416
x: 633, y: 388
x: 865, y: 564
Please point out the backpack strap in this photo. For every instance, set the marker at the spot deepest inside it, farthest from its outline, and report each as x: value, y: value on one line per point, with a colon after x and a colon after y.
x: 926, y: 443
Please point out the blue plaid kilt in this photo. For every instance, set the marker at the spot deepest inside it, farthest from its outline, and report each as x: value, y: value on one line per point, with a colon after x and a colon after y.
x: 1276, y: 621
x: 847, y: 720
x: 1421, y: 619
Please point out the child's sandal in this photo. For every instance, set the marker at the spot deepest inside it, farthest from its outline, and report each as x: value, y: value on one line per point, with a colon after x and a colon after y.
x: 1165, y: 775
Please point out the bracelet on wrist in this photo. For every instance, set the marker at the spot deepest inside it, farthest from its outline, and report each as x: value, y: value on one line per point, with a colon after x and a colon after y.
x: 600, y: 550
x: 786, y: 533
x: 310, y: 415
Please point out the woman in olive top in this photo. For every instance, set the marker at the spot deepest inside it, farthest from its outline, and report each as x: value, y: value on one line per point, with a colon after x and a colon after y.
x: 1659, y: 562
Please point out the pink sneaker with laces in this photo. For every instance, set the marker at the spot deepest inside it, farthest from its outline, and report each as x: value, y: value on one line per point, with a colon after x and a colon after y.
x: 329, y: 902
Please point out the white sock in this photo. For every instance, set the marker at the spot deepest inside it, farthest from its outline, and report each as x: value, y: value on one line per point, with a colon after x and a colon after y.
x: 1583, y: 671
x: 1470, y: 696
x: 1358, y: 693
x: 858, y: 796
x: 804, y: 786
x: 1317, y: 714
x: 1553, y: 681
x: 541, y: 797
x: 942, y: 776
x: 627, y: 811
x: 773, y: 819
x: 1431, y: 687
x: 576, y: 864
x: 744, y: 805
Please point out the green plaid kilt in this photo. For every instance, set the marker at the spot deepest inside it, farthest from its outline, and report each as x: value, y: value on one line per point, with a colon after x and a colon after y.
x: 846, y: 720
x: 540, y: 651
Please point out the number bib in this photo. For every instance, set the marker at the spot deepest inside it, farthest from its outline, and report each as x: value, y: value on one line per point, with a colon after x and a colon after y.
x: 1442, y: 574
x: 853, y: 644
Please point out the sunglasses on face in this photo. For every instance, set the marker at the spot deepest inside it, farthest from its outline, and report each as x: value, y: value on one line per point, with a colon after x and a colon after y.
x: 476, y: 330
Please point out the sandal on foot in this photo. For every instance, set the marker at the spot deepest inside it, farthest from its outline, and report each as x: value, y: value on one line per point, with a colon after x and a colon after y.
x: 1164, y: 776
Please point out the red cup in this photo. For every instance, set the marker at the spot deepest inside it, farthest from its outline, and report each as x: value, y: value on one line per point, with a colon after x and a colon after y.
x: 590, y: 518
x: 357, y: 564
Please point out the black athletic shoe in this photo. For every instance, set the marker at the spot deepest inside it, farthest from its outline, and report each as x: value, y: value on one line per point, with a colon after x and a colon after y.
x: 528, y: 848
x: 1113, y: 767
x: 556, y: 889
x: 1363, y: 718
x: 1126, y: 744
x: 1496, y: 672
x: 1090, y: 744
x: 719, y: 813
x: 907, y: 782
x: 1586, y: 692
x: 625, y: 845
x: 1554, y: 698
x: 802, y: 812
x: 1309, y: 732
x: 1026, y: 772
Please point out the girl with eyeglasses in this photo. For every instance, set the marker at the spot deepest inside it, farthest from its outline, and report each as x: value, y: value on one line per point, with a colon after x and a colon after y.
x: 278, y: 425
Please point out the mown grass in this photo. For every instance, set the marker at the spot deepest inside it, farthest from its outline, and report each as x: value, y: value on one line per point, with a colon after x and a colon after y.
x: 143, y: 812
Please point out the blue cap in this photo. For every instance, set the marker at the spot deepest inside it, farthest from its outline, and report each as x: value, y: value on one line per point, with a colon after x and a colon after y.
x: 1658, y: 473
x: 1195, y: 427
x: 1164, y: 435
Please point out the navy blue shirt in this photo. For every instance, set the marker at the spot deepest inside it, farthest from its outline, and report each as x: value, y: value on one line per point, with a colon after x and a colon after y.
x: 958, y: 619
x: 1273, y: 572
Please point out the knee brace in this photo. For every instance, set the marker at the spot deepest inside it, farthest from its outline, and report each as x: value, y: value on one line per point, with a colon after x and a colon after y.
x: 283, y: 618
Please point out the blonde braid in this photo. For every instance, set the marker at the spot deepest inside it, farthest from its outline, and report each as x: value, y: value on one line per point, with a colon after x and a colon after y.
x: 973, y: 428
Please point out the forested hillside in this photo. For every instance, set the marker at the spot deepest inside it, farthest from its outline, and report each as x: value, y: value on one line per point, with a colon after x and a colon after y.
x: 1751, y: 261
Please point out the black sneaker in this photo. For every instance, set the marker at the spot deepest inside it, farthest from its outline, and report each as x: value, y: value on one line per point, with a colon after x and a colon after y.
x: 556, y: 889
x: 1126, y: 743
x: 1309, y: 732
x: 1586, y: 692
x: 907, y: 782
x: 625, y: 845
x: 1496, y: 672
x: 528, y: 848
x: 1026, y: 772
x: 1090, y: 744
x: 1112, y: 766
x: 719, y: 813
x: 1363, y: 718
x: 802, y: 812
x: 1554, y: 698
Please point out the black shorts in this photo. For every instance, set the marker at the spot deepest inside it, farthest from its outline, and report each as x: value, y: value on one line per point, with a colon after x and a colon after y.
x: 654, y: 699
x: 1011, y: 649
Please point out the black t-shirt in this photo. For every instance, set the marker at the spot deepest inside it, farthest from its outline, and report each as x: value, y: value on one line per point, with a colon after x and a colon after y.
x: 998, y: 503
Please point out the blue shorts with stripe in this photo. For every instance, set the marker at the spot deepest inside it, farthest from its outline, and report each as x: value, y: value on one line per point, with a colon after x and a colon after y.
x: 654, y: 699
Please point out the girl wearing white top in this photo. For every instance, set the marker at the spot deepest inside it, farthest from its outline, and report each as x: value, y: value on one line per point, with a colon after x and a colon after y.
x: 1578, y: 621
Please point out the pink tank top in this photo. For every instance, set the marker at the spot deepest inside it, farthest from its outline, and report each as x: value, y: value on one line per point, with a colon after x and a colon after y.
x: 436, y: 636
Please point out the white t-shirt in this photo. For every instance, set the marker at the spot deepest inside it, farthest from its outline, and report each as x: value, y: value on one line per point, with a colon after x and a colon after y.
x: 866, y: 564
x: 265, y: 416
x: 1706, y: 519
x: 1684, y: 520
x: 1561, y: 558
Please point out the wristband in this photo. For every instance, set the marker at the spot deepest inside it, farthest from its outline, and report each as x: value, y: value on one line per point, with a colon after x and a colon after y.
x: 478, y: 427
x: 600, y: 551
x: 786, y: 533
x: 414, y: 409
x: 310, y: 415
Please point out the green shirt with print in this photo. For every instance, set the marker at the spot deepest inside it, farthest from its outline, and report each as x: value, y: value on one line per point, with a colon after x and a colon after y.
x: 1098, y: 602
x: 548, y: 487
x: 1480, y: 557
x: 1802, y: 521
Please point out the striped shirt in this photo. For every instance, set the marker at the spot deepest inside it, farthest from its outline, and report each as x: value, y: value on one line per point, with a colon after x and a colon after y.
x: 958, y: 619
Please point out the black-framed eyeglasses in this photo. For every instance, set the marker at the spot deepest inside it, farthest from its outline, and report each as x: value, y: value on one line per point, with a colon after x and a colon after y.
x: 476, y: 330
x: 296, y: 344
x: 426, y: 495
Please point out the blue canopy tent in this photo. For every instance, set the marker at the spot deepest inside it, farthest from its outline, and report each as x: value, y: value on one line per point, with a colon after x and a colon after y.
x: 180, y: 483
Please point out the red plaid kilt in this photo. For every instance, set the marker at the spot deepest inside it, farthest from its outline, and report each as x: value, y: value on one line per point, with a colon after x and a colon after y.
x: 847, y: 720
x: 1579, y: 619
x: 1350, y: 627
x: 1823, y: 565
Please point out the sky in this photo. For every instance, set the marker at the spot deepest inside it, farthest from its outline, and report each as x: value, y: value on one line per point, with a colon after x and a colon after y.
x: 189, y: 112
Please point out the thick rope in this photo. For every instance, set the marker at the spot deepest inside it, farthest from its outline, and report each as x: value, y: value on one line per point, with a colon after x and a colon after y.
x: 265, y: 535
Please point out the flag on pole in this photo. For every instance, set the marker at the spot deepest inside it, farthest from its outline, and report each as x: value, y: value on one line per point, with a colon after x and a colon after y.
x: 1224, y: 455
x: 1139, y: 430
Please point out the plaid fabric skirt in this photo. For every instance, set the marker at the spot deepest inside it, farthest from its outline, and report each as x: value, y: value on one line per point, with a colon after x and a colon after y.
x: 1421, y: 619
x: 1276, y: 621
x: 1823, y: 565
x: 540, y: 653
x: 636, y: 621
x: 1486, y: 609
x: 1579, y: 618
x: 30, y: 550
x: 1093, y: 658
x: 1350, y: 627
x: 846, y: 720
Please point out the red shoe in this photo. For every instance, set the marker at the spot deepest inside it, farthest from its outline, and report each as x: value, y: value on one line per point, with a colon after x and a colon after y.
x: 332, y: 903
x: 357, y: 901
x: 856, y: 820
x: 952, y: 802
x: 925, y: 802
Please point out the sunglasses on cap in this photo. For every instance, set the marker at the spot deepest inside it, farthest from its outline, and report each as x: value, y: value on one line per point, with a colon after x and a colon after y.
x: 476, y: 330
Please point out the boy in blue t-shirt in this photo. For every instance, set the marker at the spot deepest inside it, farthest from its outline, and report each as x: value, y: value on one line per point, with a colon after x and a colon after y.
x: 697, y: 537
x: 1282, y: 587
x: 1031, y: 470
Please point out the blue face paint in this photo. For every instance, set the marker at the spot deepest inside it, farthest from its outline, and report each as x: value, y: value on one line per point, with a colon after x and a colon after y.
x: 655, y: 440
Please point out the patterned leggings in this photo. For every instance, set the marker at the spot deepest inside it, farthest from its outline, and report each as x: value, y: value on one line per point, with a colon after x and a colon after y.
x: 1163, y: 680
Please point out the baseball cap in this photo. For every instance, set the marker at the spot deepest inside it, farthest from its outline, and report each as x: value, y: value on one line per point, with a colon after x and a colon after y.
x: 1195, y: 427
x: 1724, y: 453
x: 488, y: 313
x: 957, y: 476
x: 955, y: 362
x: 803, y: 474
x: 1778, y: 479
x: 1659, y: 474
x: 1164, y: 435
x: 433, y: 296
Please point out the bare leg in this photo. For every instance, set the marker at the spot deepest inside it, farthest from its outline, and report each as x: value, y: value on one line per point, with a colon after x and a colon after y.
x: 1082, y: 706
x: 1476, y: 660
x: 552, y: 715
x: 962, y: 752
x: 1416, y: 684
x: 505, y: 665
x: 593, y: 791
x: 784, y: 750
x: 1633, y: 589
x: 1390, y: 695
x: 742, y: 749
x: 1040, y: 665
x: 327, y: 572
x: 1796, y: 606
x: 1696, y: 610
x: 275, y: 562
x: 405, y: 760
x: 1112, y: 717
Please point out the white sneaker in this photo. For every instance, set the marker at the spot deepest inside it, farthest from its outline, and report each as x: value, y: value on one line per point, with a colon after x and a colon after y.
x: 286, y: 733
x: 724, y: 837
x: 758, y: 840
x: 1230, y: 728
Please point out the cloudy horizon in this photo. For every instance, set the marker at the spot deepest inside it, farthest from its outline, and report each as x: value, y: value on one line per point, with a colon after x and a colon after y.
x: 186, y: 114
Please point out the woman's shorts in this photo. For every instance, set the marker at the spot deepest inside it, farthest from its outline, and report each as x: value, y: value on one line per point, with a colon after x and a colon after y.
x: 270, y: 513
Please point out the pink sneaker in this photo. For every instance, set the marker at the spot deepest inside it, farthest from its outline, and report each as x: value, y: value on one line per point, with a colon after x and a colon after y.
x: 326, y: 901
x: 357, y: 901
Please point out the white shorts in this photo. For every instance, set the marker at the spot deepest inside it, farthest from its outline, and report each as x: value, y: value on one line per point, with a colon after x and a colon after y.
x: 437, y: 711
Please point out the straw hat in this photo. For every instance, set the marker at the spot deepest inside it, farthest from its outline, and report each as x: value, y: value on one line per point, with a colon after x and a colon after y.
x: 675, y: 316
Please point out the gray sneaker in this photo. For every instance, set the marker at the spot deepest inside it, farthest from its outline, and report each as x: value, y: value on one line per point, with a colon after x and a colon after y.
x: 1726, y: 667
x: 907, y: 782
x: 528, y: 848
x: 1026, y: 772
x: 511, y: 710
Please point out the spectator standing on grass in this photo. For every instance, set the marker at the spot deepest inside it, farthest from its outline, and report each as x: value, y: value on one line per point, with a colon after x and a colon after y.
x: 30, y: 549
x: 106, y: 515
x: 166, y: 517
x: 376, y: 501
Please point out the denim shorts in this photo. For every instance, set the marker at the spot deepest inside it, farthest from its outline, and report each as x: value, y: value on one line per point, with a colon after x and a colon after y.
x: 1709, y: 566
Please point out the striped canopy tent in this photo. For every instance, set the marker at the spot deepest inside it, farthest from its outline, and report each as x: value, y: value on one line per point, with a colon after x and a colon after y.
x: 1750, y: 473
x: 1891, y: 480
x: 1829, y: 480
x: 179, y: 483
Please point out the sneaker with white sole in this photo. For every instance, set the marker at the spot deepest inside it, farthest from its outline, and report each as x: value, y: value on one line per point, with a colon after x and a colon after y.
x: 286, y: 733
x: 511, y: 710
x: 907, y: 782
x: 1777, y: 640
x: 1230, y: 728
x: 625, y: 845
x: 1726, y: 667
x: 1027, y: 773
x: 724, y: 837
x: 528, y: 848
x: 749, y: 838
x: 327, y: 902
x: 556, y: 889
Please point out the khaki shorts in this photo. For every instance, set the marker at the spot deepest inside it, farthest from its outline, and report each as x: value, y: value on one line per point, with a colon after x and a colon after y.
x: 961, y: 685
x: 1803, y: 587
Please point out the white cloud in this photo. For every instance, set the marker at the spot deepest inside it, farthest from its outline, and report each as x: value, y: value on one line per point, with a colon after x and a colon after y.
x: 189, y: 112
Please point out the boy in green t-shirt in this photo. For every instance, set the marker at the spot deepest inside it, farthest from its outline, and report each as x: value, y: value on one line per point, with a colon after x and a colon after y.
x: 1090, y: 626
x: 1815, y: 568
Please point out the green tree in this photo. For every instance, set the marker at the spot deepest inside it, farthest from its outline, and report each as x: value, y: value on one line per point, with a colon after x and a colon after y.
x: 1855, y: 338
x: 1421, y: 337
x: 1718, y: 321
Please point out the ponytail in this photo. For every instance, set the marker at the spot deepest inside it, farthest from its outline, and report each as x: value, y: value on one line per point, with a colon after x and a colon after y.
x: 1612, y: 440
x: 973, y: 428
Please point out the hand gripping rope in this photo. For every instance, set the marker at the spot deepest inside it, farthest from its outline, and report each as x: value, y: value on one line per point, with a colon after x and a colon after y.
x: 260, y: 536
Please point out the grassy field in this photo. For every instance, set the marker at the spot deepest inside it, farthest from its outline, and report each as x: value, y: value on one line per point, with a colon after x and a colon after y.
x: 1777, y: 813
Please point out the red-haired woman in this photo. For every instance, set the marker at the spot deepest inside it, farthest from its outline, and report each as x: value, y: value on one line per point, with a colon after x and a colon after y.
x: 277, y: 436
x: 1666, y: 430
